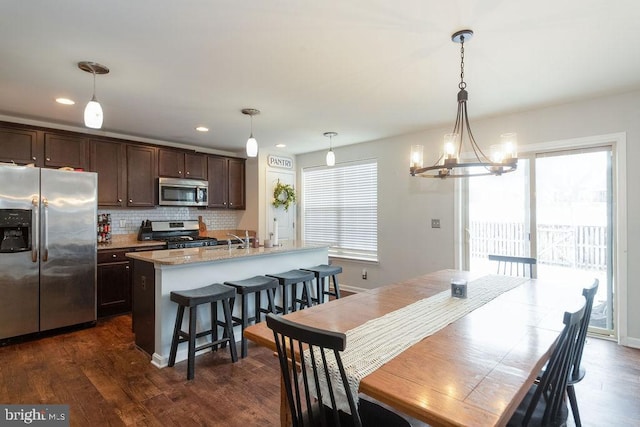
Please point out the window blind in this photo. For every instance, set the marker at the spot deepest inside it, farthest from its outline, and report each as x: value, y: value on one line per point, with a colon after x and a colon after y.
x: 340, y: 207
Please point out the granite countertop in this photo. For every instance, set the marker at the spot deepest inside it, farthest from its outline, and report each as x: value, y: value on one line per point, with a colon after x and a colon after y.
x: 216, y: 253
x: 122, y: 241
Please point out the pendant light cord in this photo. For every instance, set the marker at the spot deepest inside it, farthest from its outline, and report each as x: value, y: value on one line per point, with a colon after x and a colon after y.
x: 94, y: 82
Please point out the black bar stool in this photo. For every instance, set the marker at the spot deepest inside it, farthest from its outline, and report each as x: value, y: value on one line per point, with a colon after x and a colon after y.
x: 322, y: 272
x: 292, y: 278
x: 193, y: 298
x: 254, y: 285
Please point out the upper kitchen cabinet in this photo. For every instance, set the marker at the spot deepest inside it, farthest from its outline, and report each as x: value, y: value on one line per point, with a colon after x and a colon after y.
x: 226, y: 182
x: 178, y: 164
x: 109, y: 160
x: 20, y: 146
x: 61, y: 150
x: 141, y: 176
x: 236, y: 184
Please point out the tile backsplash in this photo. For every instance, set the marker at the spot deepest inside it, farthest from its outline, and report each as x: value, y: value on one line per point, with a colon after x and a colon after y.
x: 132, y: 218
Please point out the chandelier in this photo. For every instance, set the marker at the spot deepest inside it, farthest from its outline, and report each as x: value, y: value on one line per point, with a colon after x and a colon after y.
x: 503, y: 158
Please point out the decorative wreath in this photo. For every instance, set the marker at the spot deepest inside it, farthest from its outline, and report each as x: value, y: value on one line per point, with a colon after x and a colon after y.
x: 283, y: 195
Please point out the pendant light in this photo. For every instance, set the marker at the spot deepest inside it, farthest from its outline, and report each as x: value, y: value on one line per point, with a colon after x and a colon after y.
x: 503, y: 158
x: 93, y: 115
x: 252, y: 144
x: 331, y: 157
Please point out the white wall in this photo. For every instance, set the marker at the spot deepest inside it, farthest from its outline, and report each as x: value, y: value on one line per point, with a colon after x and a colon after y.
x: 407, y: 244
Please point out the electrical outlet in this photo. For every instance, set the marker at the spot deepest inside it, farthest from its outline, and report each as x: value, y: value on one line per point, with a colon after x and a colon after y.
x: 435, y: 223
x: 123, y: 223
x: 364, y: 274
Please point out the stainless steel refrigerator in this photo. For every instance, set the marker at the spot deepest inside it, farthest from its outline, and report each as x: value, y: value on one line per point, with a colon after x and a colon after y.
x: 47, y: 249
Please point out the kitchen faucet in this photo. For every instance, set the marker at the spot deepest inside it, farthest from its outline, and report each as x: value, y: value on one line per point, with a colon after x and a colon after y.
x: 245, y: 243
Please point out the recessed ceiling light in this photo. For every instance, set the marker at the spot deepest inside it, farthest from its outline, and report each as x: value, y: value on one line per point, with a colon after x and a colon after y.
x: 65, y: 101
x: 202, y: 129
x: 281, y: 145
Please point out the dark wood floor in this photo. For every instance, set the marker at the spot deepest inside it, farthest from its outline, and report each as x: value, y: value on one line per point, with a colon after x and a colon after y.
x: 107, y: 381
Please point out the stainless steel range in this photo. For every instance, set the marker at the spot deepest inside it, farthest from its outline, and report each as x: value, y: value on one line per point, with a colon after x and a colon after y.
x: 178, y: 234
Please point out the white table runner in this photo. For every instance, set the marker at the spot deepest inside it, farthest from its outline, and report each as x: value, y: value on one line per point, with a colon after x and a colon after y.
x: 379, y: 340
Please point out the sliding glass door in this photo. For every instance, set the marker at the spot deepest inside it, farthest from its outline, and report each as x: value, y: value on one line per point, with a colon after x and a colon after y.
x: 566, y: 199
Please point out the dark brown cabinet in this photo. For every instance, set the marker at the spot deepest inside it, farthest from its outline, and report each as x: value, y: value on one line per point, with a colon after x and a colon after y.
x: 19, y: 146
x: 114, y: 283
x: 226, y: 182
x: 108, y: 159
x: 178, y: 164
x: 127, y: 171
x: 236, y: 183
x: 141, y: 176
x: 143, y: 311
x: 65, y: 151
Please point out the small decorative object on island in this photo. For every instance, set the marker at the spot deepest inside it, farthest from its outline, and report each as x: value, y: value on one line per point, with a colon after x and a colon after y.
x: 459, y: 288
x: 283, y: 195
x: 274, y: 235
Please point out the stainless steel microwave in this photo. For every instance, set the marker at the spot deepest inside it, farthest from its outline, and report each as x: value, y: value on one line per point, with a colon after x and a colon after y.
x: 182, y: 192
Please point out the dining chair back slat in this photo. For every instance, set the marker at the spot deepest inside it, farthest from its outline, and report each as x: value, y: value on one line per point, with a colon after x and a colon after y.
x: 291, y: 341
x: 514, y: 266
x: 544, y: 404
x: 577, y: 371
x: 302, y: 378
x: 589, y: 295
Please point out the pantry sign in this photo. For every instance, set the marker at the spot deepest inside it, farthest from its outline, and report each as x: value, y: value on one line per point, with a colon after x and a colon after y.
x: 280, y: 162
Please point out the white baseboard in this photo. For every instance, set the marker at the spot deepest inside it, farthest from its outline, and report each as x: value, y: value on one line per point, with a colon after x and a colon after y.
x: 630, y: 342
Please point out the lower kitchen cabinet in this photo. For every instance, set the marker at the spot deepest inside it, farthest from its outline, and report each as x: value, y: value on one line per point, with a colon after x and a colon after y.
x: 114, y: 280
x: 114, y: 283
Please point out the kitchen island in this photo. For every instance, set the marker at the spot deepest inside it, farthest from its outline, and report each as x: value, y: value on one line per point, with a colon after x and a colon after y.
x: 157, y: 273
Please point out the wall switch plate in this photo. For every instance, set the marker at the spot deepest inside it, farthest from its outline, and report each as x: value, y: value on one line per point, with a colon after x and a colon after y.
x: 435, y: 223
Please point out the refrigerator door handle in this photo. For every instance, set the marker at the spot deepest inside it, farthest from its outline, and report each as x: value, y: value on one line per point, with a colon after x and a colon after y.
x: 45, y: 224
x: 36, y: 231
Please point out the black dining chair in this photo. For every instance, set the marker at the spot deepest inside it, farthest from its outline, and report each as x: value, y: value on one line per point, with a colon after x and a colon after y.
x: 514, y: 265
x: 578, y: 372
x: 544, y: 403
x: 302, y: 379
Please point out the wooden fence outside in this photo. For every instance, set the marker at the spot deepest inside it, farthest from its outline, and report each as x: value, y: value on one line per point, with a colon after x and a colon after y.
x: 583, y: 247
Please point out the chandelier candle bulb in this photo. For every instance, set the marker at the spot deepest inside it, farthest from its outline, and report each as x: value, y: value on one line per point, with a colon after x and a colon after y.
x: 509, y: 144
x: 417, y: 152
x: 449, y: 146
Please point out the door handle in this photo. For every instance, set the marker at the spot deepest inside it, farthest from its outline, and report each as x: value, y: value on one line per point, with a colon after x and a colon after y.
x: 45, y: 230
x: 35, y: 212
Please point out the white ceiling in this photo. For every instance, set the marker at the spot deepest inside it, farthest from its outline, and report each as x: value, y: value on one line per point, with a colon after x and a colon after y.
x: 367, y: 69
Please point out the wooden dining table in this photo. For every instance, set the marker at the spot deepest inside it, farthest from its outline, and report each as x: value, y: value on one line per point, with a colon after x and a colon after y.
x: 474, y: 371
